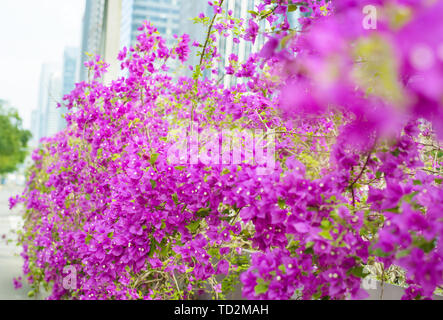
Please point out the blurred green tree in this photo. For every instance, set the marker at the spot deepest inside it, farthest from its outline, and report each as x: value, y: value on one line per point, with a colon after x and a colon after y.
x: 13, y: 140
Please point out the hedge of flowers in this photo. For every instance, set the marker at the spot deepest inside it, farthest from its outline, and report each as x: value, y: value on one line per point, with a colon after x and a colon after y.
x: 352, y: 118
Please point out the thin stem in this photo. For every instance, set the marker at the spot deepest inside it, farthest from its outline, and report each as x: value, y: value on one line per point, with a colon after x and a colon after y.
x: 176, y: 284
x: 261, y: 120
x: 351, y: 186
x: 209, y: 34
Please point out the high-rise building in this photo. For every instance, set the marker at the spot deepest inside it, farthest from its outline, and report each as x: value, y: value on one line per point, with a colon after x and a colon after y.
x: 243, y: 49
x: 163, y: 14
x: 126, y: 23
x: 47, y: 120
x: 197, y: 32
x: 41, y: 117
x: 226, y: 46
x: 112, y: 35
x: 35, y: 127
x: 92, y: 33
x: 109, y: 25
x: 54, y: 120
x: 70, y: 62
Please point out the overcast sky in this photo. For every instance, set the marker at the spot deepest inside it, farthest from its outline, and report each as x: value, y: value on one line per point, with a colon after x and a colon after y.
x: 33, y: 32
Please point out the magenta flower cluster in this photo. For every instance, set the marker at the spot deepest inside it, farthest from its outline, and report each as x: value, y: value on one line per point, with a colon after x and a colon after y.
x: 357, y: 116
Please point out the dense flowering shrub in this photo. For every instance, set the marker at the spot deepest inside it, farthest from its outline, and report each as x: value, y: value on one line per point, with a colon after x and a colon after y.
x: 350, y: 117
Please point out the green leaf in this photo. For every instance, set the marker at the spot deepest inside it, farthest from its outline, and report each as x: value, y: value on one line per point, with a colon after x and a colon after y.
x: 153, y: 247
x: 309, y: 244
x: 326, y: 224
x: 357, y: 271
x: 193, y: 226
x: 317, y: 295
x: 325, y: 234
x: 197, y: 72
x: 421, y: 243
x: 88, y: 238
x: 394, y: 210
x: 189, y: 270
x: 396, y: 152
x: 261, y: 288
x: 203, y: 212
x: 408, y: 197
x: 153, y: 158
x: 214, y: 252
x: 165, y: 249
x: 402, y: 253
x: 281, y: 203
x: 153, y: 183
x: 380, y: 253
x: 292, y: 7
x: 175, y: 198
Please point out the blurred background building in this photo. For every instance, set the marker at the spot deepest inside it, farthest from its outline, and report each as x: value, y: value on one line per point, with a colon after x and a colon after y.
x: 122, y: 18
x: 92, y: 33
x: 55, y: 81
x: 110, y: 25
x: 40, y: 118
x: 53, y: 114
x: 70, y: 66
x: 164, y: 14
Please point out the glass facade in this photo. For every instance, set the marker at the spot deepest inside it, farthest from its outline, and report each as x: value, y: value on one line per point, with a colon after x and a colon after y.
x: 92, y: 33
x: 163, y: 14
x: 69, y: 77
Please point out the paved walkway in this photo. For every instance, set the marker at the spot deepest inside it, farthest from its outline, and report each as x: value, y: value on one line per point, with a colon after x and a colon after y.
x: 10, y: 260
